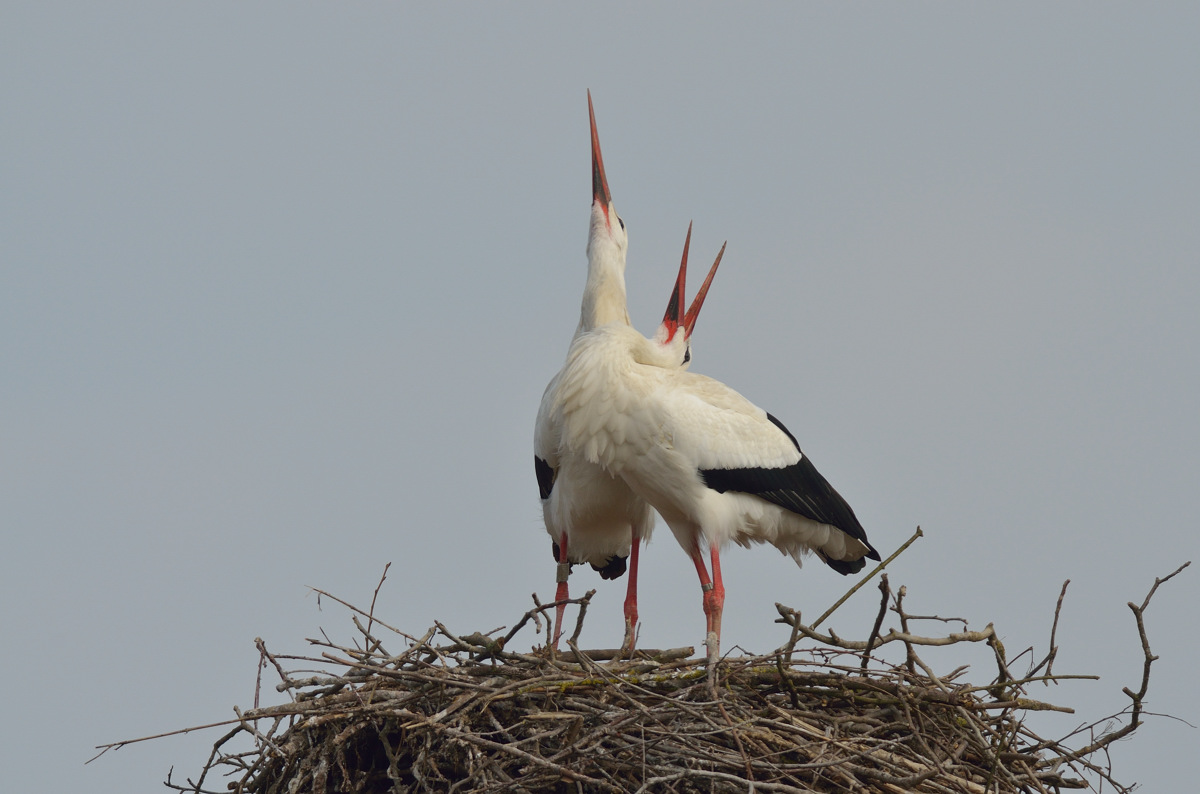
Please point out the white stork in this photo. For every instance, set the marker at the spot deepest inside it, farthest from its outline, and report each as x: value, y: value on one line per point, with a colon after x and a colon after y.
x: 715, y: 466
x: 584, y: 504
x: 591, y: 515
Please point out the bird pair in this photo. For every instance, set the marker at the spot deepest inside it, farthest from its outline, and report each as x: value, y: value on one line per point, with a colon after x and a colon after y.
x: 625, y: 430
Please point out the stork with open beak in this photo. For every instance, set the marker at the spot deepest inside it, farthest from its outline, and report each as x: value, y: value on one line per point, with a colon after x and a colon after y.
x: 584, y: 504
x: 716, y: 467
x: 591, y: 514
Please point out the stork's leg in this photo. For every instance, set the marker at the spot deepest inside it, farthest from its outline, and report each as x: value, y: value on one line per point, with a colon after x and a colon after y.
x: 714, y: 600
x: 631, y: 613
x: 564, y: 570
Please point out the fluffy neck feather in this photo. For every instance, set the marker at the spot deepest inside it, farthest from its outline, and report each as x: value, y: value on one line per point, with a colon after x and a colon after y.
x: 603, y: 298
x: 604, y: 293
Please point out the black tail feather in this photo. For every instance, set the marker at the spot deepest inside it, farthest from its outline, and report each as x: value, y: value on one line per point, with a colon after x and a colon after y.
x: 613, y: 569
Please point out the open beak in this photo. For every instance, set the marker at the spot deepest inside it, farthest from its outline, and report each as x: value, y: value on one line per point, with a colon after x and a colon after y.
x: 599, y: 180
x: 672, y: 319
x: 689, y: 321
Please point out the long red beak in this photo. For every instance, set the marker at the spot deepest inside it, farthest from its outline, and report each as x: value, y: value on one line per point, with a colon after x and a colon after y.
x: 671, y: 320
x: 599, y: 180
x: 689, y: 322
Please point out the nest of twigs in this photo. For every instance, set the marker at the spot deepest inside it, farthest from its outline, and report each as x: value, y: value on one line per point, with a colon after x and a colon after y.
x: 448, y: 712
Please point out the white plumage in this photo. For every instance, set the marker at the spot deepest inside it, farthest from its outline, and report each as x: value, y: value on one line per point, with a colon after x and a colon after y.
x: 628, y: 408
x: 624, y: 428
x: 591, y: 514
x: 715, y: 466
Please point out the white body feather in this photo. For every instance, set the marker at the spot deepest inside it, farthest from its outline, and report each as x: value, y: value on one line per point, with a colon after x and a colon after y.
x: 595, y: 509
x: 624, y: 405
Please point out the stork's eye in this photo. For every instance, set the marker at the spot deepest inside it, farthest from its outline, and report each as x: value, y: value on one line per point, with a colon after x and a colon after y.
x: 687, y: 354
x: 621, y: 222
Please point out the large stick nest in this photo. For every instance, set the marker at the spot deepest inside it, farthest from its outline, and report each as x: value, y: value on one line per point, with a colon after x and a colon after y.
x: 466, y: 714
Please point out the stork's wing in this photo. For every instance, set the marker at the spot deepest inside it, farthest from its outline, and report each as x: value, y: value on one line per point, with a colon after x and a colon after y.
x: 715, y: 427
x: 546, y: 433
x: 799, y: 488
x: 738, y: 446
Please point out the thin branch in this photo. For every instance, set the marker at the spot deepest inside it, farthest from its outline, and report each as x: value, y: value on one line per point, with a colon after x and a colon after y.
x: 883, y: 604
x: 465, y: 713
x: 868, y: 577
x: 1135, y: 710
x: 375, y: 595
x: 1048, y: 661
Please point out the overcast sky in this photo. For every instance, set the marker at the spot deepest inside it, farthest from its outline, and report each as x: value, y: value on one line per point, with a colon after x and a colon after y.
x: 281, y: 285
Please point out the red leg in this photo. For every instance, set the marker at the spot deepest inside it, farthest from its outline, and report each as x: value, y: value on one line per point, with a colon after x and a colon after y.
x: 631, y: 613
x: 564, y: 570
x: 706, y: 584
x: 714, y: 599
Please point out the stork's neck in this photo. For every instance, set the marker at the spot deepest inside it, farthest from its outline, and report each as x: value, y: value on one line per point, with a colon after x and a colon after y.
x: 604, y: 295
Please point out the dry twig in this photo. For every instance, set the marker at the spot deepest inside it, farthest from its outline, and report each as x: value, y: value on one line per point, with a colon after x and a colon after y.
x: 466, y: 714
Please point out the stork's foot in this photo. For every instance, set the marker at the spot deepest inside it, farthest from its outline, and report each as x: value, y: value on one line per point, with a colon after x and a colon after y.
x: 714, y: 601
x: 713, y: 643
x: 630, y: 636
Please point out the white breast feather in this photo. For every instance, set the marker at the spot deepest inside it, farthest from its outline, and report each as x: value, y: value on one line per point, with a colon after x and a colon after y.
x: 595, y: 508
x: 600, y: 413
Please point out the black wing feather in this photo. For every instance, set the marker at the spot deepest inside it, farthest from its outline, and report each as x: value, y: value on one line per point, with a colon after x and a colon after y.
x: 799, y: 488
x: 545, y: 476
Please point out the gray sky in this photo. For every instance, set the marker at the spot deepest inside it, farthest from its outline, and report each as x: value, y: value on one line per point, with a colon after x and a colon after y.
x: 281, y: 286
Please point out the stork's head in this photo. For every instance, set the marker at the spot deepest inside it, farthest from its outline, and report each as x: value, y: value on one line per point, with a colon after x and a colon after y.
x: 607, y: 238
x: 676, y: 330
